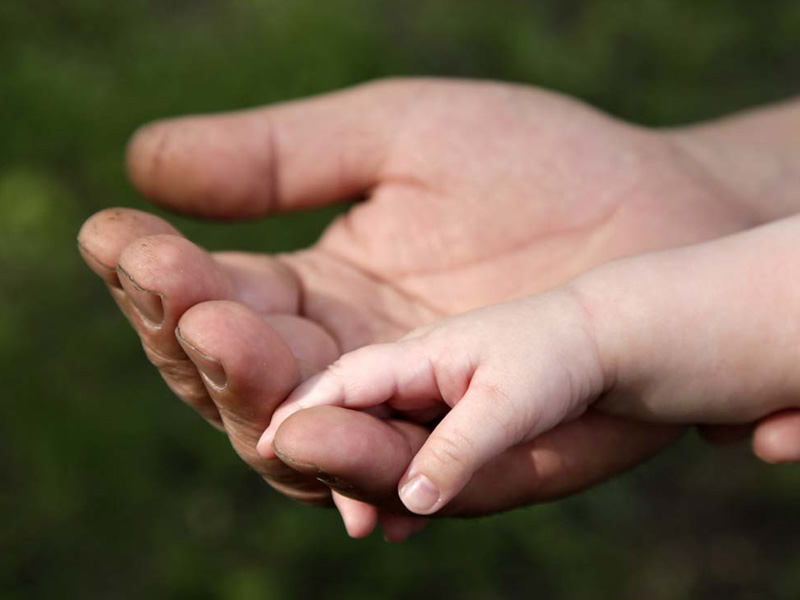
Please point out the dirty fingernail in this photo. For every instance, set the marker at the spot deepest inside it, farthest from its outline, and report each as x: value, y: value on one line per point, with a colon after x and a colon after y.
x: 149, y: 304
x: 333, y: 481
x: 210, y: 368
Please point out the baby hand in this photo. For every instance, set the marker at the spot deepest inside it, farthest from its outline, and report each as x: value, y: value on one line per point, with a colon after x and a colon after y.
x: 509, y: 372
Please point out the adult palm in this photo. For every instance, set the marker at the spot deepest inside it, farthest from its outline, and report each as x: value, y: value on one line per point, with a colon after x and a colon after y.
x: 473, y: 193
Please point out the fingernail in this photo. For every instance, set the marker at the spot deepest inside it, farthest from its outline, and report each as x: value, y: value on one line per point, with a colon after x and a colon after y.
x: 333, y: 481
x: 149, y: 304
x: 210, y: 368
x: 111, y: 277
x: 420, y: 495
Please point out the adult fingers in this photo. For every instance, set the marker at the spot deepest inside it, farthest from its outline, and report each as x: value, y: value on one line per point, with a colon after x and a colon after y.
x: 776, y: 439
x: 367, y: 377
x: 249, y: 369
x: 155, y: 275
x: 365, y: 458
x: 355, y: 453
x: 398, y: 528
x: 105, y: 235
x: 563, y: 461
x: 153, y: 310
x: 285, y: 157
x: 483, y: 423
x: 723, y: 435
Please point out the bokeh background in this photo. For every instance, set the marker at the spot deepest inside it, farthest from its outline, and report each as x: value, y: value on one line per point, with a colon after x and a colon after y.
x: 110, y: 488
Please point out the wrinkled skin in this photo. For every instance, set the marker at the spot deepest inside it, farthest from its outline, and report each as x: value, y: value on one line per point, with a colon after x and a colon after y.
x: 475, y: 193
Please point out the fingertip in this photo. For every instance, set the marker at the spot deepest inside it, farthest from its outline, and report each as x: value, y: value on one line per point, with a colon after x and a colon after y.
x: 398, y: 528
x: 208, y: 166
x: 141, y: 154
x: 260, y: 369
x: 768, y: 449
x: 468, y: 437
x: 420, y: 495
x: 106, y: 272
x: 305, y: 396
x: 103, y: 237
x: 776, y: 439
x: 176, y: 268
x: 359, y: 518
x: 265, y: 447
x: 359, y: 453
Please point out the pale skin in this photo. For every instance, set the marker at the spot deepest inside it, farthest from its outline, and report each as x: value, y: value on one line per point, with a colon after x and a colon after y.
x: 704, y: 334
x: 478, y: 193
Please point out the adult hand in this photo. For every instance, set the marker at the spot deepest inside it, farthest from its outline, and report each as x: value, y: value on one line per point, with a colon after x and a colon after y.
x: 476, y: 193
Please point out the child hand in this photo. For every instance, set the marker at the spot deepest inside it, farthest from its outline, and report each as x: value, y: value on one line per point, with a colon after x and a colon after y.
x: 508, y: 372
x: 703, y: 334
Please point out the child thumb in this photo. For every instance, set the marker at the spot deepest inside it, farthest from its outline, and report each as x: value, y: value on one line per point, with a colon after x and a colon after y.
x: 484, y: 423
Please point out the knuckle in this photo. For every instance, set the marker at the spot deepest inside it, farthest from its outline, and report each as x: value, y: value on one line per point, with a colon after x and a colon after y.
x: 244, y: 430
x: 193, y: 392
x: 505, y: 415
x: 454, y: 449
x: 171, y: 364
x: 337, y: 368
x: 347, y: 366
x: 339, y: 376
x: 180, y: 374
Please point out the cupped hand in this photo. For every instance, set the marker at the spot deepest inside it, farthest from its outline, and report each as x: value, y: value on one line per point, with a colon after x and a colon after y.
x: 474, y: 193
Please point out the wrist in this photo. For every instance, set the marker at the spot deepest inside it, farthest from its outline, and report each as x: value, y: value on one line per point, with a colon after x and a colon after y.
x: 700, y: 334
x: 754, y: 157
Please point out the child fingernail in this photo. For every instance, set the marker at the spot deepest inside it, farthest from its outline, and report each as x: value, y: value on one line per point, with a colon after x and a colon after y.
x: 420, y: 495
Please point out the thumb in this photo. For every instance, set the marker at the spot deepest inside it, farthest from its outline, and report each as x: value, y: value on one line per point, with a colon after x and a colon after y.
x: 486, y: 422
x: 285, y: 157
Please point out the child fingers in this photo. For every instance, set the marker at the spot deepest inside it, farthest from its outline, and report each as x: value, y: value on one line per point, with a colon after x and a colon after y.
x: 359, y: 517
x: 364, y: 378
x: 317, y: 390
x: 353, y: 452
x: 486, y: 422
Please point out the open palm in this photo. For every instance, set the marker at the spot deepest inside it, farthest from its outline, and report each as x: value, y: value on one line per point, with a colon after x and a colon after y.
x: 473, y: 193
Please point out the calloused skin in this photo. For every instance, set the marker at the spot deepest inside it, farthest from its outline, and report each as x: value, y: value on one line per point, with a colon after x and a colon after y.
x: 476, y: 192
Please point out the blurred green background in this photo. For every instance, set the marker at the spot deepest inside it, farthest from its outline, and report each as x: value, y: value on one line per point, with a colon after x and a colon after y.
x: 110, y: 488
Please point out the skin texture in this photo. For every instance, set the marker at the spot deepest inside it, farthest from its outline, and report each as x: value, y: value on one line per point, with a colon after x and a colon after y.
x: 700, y: 334
x: 476, y: 193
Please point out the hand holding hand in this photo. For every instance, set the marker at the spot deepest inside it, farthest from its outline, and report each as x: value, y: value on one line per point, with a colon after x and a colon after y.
x: 477, y: 193
x: 703, y: 334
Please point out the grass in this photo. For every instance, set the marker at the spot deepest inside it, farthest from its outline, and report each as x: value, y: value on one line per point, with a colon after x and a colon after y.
x: 111, y: 489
